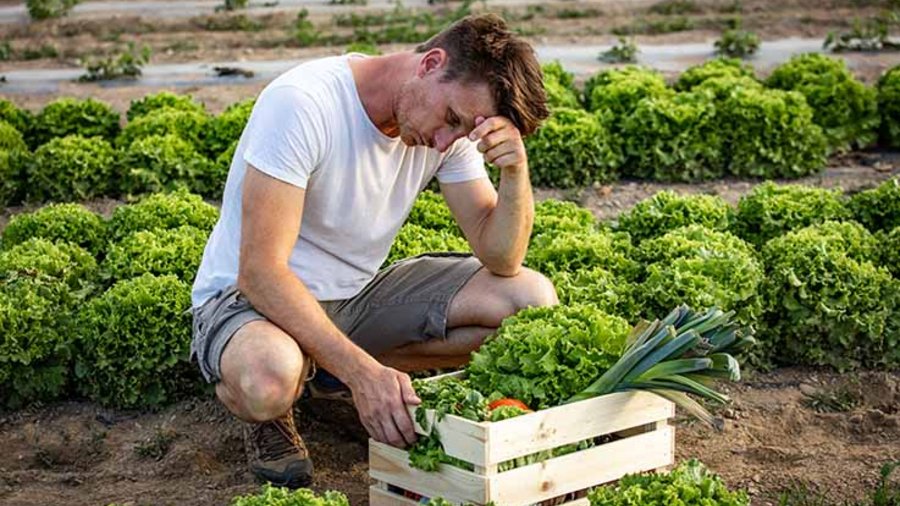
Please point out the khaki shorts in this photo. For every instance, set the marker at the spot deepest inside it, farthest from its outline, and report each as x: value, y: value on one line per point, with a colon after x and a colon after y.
x: 408, y: 302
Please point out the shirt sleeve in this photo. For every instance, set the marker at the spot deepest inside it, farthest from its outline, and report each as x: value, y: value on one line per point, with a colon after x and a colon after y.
x: 463, y: 163
x: 285, y: 135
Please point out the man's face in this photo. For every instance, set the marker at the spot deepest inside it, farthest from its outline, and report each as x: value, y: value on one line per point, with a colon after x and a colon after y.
x: 434, y: 113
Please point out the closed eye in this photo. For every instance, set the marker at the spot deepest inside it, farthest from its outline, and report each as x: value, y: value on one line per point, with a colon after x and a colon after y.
x: 452, y: 118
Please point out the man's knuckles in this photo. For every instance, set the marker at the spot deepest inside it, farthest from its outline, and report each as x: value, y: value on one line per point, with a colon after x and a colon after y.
x: 487, y: 126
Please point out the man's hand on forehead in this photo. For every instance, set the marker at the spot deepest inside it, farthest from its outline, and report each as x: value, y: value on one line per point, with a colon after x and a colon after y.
x: 500, y: 141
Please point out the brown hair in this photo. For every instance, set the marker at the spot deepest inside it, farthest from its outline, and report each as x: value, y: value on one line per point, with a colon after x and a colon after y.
x: 482, y: 49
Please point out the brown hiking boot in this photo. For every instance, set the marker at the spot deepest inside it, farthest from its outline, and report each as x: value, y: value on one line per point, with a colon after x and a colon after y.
x: 277, y: 454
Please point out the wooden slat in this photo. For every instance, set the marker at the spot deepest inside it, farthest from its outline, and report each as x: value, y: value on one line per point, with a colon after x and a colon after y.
x: 584, y: 469
x: 462, y: 438
x: 380, y: 497
x: 661, y: 425
x: 391, y: 465
x: 454, y: 374
x: 554, y: 427
x: 485, y: 444
x: 487, y: 471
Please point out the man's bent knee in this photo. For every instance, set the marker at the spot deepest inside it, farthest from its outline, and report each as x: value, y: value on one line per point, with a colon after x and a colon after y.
x: 266, y: 397
x: 486, y: 300
x: 537, y: 290
x: 261, y: 372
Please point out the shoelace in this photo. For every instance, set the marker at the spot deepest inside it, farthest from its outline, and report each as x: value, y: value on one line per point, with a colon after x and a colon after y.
x: 277, y: 443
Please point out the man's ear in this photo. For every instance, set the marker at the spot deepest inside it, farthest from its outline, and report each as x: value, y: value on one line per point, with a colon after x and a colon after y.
x: 433, y: 60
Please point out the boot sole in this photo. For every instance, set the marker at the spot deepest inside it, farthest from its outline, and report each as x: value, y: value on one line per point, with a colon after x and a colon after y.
x: 293, y: 478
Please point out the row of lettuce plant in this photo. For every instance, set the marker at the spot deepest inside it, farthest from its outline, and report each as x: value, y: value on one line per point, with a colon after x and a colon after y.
x: 97, y: 307
x: 813, y: 270
x: 76, y: 149
x: 717, y: 119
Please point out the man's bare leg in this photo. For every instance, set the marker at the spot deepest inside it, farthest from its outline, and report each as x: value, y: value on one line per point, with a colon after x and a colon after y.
x: 475, y: 313
x: 263, y: 371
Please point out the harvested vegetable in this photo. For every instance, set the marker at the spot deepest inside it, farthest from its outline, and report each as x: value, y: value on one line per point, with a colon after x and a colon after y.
x: 544, y: 355
x: 549, y: 356
x: 684, y: 353
x: 507, y: 402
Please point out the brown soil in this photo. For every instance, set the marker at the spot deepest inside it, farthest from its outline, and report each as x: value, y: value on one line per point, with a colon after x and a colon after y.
x: 80, y: 454
x: 774, y: 440
x: 184, y: 39
x: 77, y: 453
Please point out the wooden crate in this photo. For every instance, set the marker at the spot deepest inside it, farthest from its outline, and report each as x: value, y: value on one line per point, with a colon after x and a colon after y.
x: 642, y: 440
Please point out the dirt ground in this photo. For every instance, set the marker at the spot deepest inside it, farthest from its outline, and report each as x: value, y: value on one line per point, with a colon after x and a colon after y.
x: 191, y: 38
x: 77, y: 454
x: 188, y: 38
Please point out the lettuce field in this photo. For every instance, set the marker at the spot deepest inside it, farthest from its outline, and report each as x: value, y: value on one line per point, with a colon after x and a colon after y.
x: 758, y: 195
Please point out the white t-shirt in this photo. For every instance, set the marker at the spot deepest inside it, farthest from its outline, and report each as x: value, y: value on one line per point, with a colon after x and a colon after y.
x: 309, y: 129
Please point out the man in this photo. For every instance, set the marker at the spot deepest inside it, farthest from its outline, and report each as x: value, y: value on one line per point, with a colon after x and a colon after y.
x: 324, y: 175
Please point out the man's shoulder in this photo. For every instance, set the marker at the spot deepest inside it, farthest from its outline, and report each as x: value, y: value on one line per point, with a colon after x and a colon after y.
x: 318, y: 87
x: 315, y: 76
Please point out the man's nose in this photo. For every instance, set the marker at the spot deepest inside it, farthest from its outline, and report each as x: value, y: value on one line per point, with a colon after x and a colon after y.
x: 444, y: 137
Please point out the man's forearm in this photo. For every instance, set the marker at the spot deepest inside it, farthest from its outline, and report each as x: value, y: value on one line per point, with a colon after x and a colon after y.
x: 279, y: 294
x: 504, y: 236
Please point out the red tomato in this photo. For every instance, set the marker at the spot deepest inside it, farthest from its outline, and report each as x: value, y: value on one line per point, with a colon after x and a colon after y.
x: 516, y: 403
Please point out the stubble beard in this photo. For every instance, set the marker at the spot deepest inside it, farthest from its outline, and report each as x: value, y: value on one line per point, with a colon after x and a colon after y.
x: 405, y: 102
